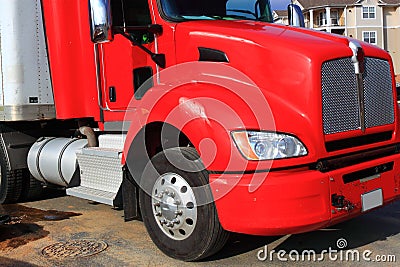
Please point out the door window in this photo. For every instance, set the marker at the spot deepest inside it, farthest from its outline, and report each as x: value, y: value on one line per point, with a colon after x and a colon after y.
x: 130, y: 13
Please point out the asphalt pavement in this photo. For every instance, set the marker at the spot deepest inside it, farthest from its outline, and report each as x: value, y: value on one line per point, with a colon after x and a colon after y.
x: 67, y: 231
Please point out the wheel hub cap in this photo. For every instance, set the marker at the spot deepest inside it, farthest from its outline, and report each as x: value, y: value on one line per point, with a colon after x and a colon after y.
x: 174, y: 206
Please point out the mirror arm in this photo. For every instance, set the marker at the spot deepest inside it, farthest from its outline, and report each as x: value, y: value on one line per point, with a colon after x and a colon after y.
x: 159, y: 59
x: 295, y: 14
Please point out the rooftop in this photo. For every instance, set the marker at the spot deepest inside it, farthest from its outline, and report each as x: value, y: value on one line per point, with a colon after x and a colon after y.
x: 281, y: 13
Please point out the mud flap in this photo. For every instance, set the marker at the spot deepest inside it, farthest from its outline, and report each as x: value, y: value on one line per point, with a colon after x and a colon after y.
x: 130, y: 198
x: 16, y: 145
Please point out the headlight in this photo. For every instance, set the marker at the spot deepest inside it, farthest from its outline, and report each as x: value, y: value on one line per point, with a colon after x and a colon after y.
x: 268, y: 145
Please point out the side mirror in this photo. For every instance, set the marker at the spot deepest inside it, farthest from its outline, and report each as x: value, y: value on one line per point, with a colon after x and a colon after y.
x: 296, y: 17
x: 100, y: 21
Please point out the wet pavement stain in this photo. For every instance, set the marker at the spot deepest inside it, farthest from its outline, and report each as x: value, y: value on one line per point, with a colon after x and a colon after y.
x: 11, y: 263
x: 22, y: 227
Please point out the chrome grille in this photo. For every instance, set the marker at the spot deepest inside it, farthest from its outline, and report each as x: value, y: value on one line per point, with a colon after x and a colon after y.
x: 340, y: 105
x: 378, y: 95
x: 339, y: 96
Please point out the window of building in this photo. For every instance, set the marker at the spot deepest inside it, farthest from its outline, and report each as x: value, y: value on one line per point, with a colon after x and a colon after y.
x: 334, y: 17
x: 368, y: 12
x: 321, y: 18
x: 369, y: 37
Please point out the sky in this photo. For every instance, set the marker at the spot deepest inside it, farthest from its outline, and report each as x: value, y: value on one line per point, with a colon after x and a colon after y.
x: 279, y: 4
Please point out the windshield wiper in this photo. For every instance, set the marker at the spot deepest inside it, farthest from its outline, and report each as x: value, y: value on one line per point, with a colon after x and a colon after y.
x: 237, y: 17
x: 215, y: 17
x: 198, y: 16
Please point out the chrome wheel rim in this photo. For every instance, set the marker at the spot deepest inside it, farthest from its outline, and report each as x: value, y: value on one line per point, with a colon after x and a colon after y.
x: 174, y: 206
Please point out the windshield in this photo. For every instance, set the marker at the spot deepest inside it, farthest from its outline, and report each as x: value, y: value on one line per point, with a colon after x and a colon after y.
x: 182, y: 10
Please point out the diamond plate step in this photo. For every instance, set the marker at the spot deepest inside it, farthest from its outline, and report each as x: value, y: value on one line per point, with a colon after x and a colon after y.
x: 92, y: 194
x: 115, y: 141
x: 101, y: 174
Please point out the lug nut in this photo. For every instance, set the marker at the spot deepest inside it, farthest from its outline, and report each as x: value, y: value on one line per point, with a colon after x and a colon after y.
x: 163, y: 221
x: 177, y: 202
x: 157, y: 204
x: 171, y: 194
x: 158, y: 214
x: 178, y: 212
x: 176, y: 221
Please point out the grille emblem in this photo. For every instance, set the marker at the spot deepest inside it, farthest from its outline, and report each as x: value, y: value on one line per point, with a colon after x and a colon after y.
x: 358, y: 60
x: 358, y: 57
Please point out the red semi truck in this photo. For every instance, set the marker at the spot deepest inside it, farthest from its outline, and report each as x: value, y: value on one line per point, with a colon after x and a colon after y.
x: 200, y: 117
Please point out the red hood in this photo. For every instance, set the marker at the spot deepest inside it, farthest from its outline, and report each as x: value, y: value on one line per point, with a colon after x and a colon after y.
x: 235, y: 36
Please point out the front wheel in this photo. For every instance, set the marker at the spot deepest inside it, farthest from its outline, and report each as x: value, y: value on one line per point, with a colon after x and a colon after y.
x: 177, y: 206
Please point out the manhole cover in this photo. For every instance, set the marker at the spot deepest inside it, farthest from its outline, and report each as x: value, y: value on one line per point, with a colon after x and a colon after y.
x: 73, y: 249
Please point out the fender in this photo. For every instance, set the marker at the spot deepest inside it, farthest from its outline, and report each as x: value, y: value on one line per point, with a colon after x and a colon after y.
x: 204, y: 92
x: 205, y: 121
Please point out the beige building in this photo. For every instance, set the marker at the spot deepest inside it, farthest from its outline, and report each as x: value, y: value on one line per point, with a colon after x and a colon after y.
x: 373, y: 21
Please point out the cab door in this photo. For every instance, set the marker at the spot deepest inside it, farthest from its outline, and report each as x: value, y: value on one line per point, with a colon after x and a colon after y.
x: 125, y: 67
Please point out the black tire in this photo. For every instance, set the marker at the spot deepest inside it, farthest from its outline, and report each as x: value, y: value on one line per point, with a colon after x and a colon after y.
x: 207, y: 236
x: 10, y: 181
x: 32, y: 189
